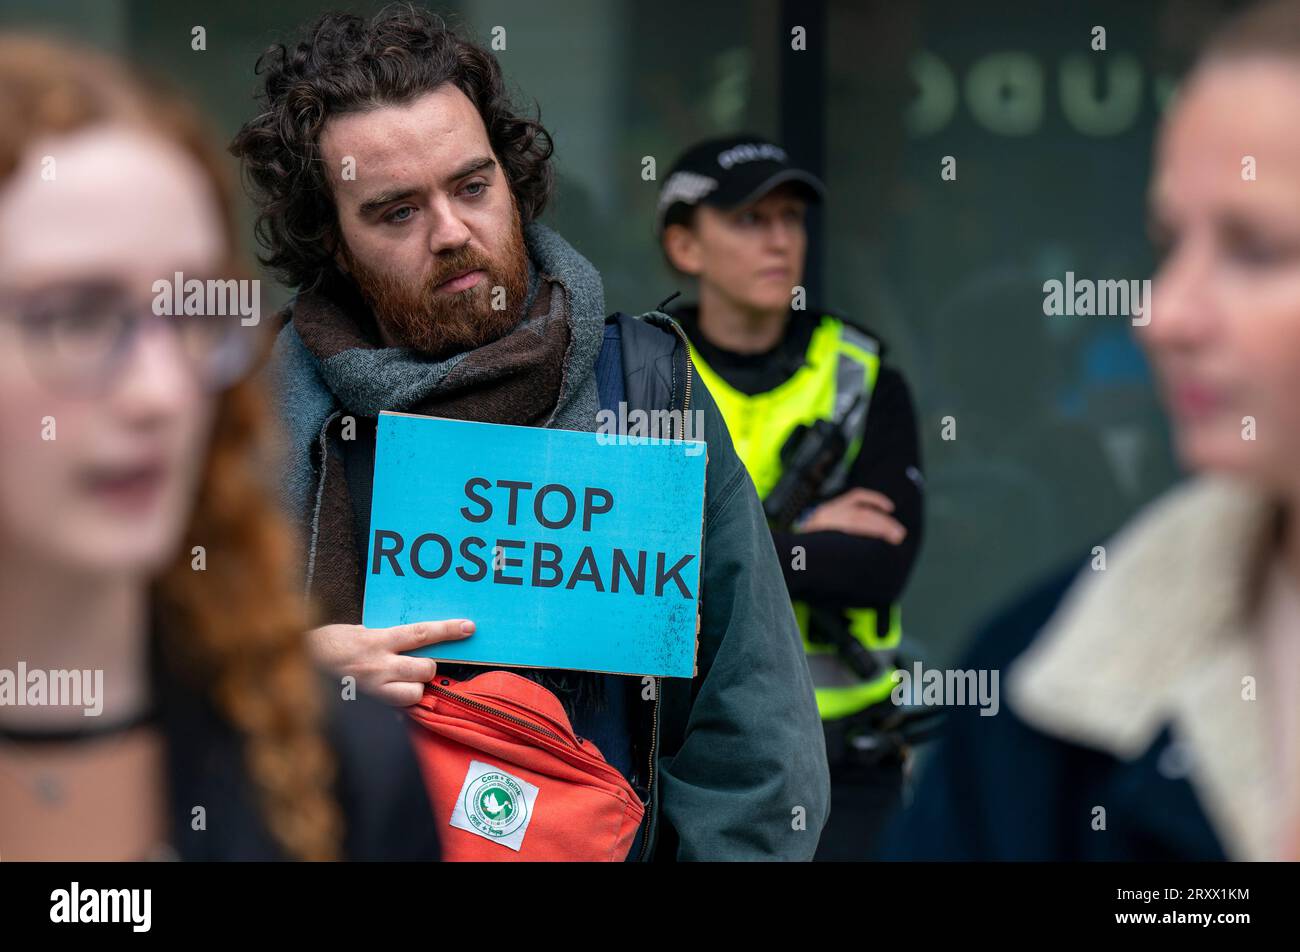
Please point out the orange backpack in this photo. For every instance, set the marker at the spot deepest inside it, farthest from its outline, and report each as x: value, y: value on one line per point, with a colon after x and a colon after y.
x: 509, y: 779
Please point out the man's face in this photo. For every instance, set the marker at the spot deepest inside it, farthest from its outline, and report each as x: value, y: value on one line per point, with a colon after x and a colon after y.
x: 430, y: 229
x: 753, y: 255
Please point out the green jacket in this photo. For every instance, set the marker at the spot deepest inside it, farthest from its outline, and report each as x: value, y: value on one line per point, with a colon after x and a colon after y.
x: 734, y: 759
x: 741, y: 760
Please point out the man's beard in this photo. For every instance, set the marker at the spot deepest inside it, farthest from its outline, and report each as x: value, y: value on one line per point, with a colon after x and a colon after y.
x: 437, y: 323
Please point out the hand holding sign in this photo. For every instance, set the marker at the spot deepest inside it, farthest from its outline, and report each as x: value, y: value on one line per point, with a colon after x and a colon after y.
x: 373, y: 655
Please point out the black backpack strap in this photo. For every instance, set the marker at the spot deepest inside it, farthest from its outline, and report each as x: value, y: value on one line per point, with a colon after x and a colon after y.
x: 647, y: 363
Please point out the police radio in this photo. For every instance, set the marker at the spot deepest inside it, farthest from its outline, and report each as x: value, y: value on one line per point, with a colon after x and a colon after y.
x: 808, y: 459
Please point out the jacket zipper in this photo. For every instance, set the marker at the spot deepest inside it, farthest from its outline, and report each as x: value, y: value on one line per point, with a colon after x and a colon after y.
x: 658, y: 682
x: 650, y: 786
x: 686, y: 348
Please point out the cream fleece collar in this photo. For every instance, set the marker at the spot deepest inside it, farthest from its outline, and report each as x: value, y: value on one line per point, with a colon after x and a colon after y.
x: 1161, y: 637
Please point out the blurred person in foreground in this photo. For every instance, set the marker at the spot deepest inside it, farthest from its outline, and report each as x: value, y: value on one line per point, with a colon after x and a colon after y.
x: 127, y: 441
x: 1154, y: 714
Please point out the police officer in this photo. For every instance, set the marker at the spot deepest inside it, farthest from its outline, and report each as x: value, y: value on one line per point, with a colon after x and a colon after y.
x: 828, y: 434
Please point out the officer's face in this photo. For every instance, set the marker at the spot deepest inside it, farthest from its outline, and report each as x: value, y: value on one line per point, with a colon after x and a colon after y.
x: 430, y: 228
x: 1224, y: 333
x: 752, y: 255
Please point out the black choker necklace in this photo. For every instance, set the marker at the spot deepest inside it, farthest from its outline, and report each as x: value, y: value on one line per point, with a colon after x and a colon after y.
x: 48, y: 787
x: 93, y: 729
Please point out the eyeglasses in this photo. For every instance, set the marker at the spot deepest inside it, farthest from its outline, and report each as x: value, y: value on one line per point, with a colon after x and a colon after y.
x: 78, y: 337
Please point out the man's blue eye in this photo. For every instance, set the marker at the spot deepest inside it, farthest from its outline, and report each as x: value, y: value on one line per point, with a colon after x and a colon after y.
x: 394, y: 216
x: 480, y: 187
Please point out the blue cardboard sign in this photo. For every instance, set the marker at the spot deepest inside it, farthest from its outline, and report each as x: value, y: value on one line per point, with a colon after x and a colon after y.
x: 566, y: 549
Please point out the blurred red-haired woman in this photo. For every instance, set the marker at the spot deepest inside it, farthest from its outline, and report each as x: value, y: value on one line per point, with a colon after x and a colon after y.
x: 137, y: 536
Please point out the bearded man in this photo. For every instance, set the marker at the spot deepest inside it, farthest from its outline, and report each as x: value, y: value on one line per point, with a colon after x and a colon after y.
x: 398, y: 189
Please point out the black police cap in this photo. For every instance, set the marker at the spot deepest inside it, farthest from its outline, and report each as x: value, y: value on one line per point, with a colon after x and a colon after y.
x: 730, y: 172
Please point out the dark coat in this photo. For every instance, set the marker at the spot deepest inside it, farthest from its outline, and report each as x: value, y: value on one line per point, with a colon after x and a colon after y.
x: 379, y: 788
x: 996, y: 788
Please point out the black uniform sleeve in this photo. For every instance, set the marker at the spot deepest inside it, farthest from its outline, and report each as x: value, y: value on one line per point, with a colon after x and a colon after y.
x: 845, y: 570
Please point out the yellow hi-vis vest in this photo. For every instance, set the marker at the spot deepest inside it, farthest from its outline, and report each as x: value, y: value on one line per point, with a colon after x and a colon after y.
x: 842, y: 363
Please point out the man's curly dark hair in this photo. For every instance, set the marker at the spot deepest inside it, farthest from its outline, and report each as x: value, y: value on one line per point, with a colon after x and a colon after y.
x: 344, y: 64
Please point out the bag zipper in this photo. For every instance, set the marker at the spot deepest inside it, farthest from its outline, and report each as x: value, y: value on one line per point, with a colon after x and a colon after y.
x: 584, y: 757
x: 495, y: 712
